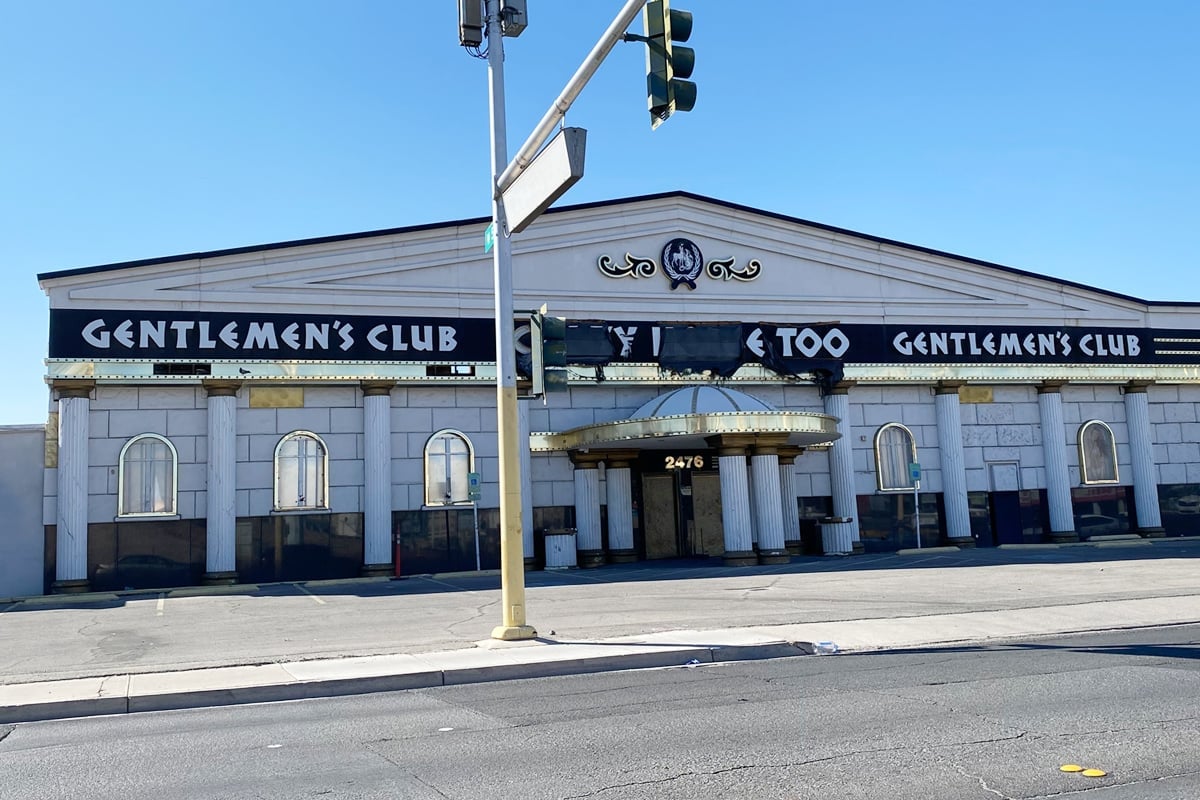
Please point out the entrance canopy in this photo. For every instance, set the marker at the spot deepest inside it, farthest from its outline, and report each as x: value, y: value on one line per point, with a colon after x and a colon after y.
x: 686, y: 418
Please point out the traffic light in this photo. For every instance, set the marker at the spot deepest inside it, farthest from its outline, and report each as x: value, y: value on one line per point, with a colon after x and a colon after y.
x: 470, y: 23
x: 550, y: 353
x: 541, y: 354
x: 666, y: 62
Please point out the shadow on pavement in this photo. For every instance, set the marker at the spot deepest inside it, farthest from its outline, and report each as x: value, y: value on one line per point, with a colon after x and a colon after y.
x: 644, y: 571
x: 1173, y: 651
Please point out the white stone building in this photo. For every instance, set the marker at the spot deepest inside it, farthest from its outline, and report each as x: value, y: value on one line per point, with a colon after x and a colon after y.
x: 743, y: 385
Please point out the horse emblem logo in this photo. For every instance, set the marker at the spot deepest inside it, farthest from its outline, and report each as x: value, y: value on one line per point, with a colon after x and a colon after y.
x: 682, y: 262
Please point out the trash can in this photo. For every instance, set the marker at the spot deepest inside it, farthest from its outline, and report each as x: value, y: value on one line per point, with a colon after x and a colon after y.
x: 560, y: 548
x: 835, y: 535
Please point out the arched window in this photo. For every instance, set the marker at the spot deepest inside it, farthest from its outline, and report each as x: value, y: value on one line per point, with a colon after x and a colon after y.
x: 895, y: 449
x: 146, y: 477
x: 448, y: 461
x: 1097, y: 453
x: 301, y: 472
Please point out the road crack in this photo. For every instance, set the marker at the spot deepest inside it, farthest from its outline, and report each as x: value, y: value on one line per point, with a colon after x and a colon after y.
x: 982, y: 783
x: 367, y: 746
x: 783, y: 765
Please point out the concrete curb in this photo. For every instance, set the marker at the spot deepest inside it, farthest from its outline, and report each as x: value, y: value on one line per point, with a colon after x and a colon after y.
x: 496, y: 661
x: 129, y: 694
x: 1113, y: 540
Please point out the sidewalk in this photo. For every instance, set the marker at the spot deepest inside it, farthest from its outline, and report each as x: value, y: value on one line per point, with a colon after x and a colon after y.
x: 141, y: 651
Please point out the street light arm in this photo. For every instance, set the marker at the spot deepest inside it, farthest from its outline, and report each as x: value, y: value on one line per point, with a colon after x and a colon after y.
x: 614, y: 34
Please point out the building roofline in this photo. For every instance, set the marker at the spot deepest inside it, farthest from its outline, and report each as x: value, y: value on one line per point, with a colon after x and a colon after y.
x: 679, y: 194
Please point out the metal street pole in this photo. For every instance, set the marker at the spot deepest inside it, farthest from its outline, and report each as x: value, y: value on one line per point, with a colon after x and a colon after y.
x: 561, y: 104
x: 917, y: 513
x: 512, y: 553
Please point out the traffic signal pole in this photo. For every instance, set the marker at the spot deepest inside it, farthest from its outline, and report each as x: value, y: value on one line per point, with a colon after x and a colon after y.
x: 503, y: 174
x: 558, y: 109
x: 512, y: 551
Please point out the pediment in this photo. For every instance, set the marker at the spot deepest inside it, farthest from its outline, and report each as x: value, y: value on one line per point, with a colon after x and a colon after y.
x: 762, y: 267
x: 756, y: 267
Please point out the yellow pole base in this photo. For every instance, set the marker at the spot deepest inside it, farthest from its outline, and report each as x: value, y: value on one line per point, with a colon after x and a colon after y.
x: 512, y: 633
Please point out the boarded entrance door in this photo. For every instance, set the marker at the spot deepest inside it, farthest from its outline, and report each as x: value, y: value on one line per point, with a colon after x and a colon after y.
x: 707, y: 529
x: 659, y: 511
x: 683, y: 514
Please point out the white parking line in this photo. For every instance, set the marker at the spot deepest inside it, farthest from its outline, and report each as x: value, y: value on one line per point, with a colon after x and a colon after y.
x: 162, y: 601
x: 444, y: 583
x: 316, y: 599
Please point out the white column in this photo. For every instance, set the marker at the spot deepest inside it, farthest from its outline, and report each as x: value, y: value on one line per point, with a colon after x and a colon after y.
x: 753, y: 506
x: 588, y: 540
x: 954, y: 470
x: 619, y: 489
x: 735, y: 501
x: 841, y: 537
x: 70, y: 559
x: 377, y: 501
x: 220, y: 496
x: 1141, y: 451
x: 1054, y: 453
x: 526, y: 460
x: 768, y: 505
x: 787, y: 494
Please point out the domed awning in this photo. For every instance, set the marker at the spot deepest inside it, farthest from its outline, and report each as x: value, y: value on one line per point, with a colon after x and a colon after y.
x: 685, y: 418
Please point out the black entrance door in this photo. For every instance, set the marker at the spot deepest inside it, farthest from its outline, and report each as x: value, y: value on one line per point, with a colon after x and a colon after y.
x: 1006, y: 517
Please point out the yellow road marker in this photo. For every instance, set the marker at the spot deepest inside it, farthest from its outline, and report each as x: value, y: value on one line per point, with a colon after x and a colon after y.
x: 1094, y: 773
x: 1070, y: 768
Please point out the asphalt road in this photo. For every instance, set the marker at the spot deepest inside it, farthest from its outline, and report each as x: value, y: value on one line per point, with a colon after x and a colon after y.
x: 55, y: 638
x: 972, y: 722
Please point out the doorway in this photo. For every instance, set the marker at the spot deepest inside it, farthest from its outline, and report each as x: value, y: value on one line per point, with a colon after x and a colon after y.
x: 682, y: 514
x: 1005, y: 497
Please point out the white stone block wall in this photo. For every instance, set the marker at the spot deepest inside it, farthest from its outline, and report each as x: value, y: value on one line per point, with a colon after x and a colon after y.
x: 822, y: 482
x: 796, y: 397
x: 812, y: 474
x: 119, y: 413
x: 602, y: 398
x: 562, y: 419
x: 872, y: 407
x: 1006, y: 429
x: 628, y: 399
x: 418, y: 413
x: 1105, y: 403
x: 334, y: 413
x: 770, y: 394
x: 562, y: 493
x: 552, y: 478
x: 1175, y: 420
x: 50, y: 496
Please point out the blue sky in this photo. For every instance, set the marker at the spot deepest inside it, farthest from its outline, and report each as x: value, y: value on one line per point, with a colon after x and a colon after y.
x: 1056, y: 136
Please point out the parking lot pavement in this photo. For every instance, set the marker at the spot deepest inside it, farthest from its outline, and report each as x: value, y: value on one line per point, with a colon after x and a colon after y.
x: 59, y: 637
x: 128, y: 651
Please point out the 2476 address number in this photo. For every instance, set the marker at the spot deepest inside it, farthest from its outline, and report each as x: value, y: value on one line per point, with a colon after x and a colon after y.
x: 683, y: 462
